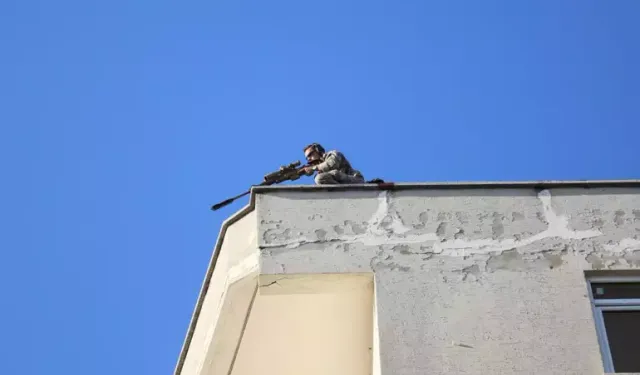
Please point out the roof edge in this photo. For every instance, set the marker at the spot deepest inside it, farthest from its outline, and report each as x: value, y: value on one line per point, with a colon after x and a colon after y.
x: 542, y: 184
x: 207, y: 279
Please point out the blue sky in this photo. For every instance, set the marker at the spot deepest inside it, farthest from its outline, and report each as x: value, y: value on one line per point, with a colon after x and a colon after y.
x: 123, y: 121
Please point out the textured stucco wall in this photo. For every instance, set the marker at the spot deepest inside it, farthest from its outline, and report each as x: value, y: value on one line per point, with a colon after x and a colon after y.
x: 467, y: 281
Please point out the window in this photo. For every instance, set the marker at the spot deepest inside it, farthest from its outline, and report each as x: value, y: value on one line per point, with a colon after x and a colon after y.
x: 616, y: 305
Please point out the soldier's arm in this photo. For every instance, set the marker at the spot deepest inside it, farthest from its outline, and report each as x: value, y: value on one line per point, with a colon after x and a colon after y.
x: 331, y: 162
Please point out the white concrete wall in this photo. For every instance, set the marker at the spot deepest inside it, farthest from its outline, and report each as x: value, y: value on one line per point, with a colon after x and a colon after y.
x: 467, y: 281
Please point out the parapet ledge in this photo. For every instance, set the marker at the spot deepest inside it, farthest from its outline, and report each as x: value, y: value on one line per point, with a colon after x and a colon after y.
x: 458, y: 185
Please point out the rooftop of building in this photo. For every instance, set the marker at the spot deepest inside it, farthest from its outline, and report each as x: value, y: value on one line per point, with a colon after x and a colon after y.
x: 396, y: 186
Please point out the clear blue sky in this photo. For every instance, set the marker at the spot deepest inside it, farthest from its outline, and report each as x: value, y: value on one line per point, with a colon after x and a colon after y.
x: 123, y: 121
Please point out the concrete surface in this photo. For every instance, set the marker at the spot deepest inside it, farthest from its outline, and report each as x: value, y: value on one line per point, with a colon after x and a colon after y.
x: 467, y: 281
x: 469, y: 278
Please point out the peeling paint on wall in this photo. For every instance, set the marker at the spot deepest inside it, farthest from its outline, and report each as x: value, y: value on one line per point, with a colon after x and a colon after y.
x: 387, y: 229
x: 626, y: 245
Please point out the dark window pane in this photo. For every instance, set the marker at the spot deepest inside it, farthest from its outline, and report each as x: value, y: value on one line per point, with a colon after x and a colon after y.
x: 623, y: 331
x: 615, y: 290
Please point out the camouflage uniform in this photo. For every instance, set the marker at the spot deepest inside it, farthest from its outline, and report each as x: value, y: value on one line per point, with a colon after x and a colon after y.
x: 335, y: 169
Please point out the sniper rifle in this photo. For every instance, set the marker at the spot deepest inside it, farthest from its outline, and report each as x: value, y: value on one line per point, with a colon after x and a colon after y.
x: 290, y: 172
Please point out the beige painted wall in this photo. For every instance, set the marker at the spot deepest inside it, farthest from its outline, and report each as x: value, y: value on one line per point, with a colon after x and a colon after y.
x: 312, y: 325
x: 238, y: 261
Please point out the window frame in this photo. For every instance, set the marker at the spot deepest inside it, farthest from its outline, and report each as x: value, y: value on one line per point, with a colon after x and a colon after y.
x: 599, y: 306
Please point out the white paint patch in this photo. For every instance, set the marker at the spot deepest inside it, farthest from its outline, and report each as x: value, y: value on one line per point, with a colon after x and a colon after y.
x: 377, y: 218
x: 559, y: 225
x: 385, y: 220
x: 243, y: 268
x: 385, y: 227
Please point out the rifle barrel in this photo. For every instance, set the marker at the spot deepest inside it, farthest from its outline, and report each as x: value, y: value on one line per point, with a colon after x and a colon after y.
x: 289, y: 172
x: 218, y: 206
